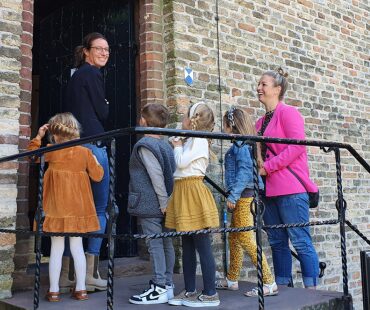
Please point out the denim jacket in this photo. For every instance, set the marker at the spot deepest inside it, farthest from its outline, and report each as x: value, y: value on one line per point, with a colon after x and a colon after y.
x: 239, y: 171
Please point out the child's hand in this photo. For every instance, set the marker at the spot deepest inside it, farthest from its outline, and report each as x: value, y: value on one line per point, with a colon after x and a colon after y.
x: 260, y: 163
x: 230, y: 205
x: 176, y: 142
x: 42, y: 131
x: 163, y: 210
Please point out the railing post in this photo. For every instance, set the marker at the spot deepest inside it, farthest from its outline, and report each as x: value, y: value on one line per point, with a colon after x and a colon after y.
x: 341, y: 207
x: 111, y: 227
x: 39, y: 220
x: 259, y: 210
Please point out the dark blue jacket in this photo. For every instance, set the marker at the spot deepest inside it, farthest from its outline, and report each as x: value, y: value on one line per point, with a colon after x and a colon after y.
x: 239, y: 171
x: 85, y: 99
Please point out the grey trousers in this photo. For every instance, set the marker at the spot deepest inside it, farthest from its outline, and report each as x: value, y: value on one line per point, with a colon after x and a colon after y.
x: 162, y: 254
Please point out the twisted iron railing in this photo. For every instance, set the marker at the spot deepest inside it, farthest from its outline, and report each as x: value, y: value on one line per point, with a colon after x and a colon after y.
x: 257, y: 207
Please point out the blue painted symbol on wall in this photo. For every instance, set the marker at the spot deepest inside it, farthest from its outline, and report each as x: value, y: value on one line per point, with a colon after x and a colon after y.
x: 189, y: 76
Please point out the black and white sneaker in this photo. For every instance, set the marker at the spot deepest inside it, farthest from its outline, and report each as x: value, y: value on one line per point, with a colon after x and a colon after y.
x: 155, y: 294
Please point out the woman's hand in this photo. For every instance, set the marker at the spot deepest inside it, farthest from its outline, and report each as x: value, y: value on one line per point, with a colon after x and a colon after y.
x: 230, y: 205
x: 262, y: 171
x: 42, y: 131
x: 260, y: 163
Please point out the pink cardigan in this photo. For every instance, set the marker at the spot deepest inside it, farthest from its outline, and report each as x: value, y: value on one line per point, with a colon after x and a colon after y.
x: 286, y: 122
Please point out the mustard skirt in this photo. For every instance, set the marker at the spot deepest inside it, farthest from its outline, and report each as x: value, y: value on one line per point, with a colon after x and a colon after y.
x: 191, y: 206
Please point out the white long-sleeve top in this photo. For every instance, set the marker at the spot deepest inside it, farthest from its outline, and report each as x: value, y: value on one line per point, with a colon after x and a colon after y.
x: 192, y: 158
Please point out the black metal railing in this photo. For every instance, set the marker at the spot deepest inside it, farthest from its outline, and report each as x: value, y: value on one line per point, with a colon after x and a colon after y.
x: 257, y: 205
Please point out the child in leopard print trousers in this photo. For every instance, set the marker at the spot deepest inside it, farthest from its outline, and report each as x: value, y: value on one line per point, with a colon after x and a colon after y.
x: 239, y: 183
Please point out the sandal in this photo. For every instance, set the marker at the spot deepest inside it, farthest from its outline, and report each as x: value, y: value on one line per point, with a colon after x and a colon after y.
x: 79, y: 295
x: 52, y: 296
x: 226, y: 284
x: 272, y: 290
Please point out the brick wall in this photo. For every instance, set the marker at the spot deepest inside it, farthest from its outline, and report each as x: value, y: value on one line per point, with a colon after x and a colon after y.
x: 23, y: 249
x: 151, y: 63
x: 10, y: 65
x: 325, y: 46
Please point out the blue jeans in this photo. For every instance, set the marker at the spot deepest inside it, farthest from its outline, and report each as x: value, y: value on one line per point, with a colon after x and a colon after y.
x: 286, y: 210
x: 101, y: 194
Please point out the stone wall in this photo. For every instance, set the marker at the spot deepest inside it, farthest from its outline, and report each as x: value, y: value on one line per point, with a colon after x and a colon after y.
x: 10, y: 65
x: 325, y: 46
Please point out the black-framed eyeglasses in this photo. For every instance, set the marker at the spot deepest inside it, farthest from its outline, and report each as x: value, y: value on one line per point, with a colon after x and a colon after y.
x: 100, y: 49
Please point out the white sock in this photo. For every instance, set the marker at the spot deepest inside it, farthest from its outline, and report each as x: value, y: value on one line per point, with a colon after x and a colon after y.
x: 55, y: 262
x: 79, y: 260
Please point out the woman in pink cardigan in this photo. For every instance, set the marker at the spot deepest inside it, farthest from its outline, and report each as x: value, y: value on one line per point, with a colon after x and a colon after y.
x: 286, y: 199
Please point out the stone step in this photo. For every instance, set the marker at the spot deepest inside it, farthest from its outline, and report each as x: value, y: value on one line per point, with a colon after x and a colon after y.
x: 287, y: 299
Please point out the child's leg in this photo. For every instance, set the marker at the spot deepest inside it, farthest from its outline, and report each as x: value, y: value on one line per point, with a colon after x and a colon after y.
x: 236, y: 249
x: 248, y: 240
x: 79, y: 259
x: 169, y: 253
x: 203, y: 245
x: 189, y: 262
x: 55, y: 262
x: 155, y: 248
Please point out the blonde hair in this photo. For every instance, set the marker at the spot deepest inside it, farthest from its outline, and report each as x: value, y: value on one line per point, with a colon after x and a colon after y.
x: 239, y: 122
x: 65, y: 126
x: 281, y: 79
x: 202, y: 119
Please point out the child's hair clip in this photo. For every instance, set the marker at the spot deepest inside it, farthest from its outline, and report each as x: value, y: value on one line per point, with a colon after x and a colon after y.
x: 230, y: 116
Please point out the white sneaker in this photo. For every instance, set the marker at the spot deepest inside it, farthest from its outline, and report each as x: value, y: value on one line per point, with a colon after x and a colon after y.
x: 170, y: 289
x: 155, y: 294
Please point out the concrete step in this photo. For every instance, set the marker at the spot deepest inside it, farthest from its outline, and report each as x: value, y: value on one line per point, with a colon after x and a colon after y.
x: 126, y: 266
x: 287, y: 299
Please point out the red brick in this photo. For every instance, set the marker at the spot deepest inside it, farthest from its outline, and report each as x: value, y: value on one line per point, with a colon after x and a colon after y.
x: 27, y: 38
x: 27, y: 27
x: 28, y: 5
x: 247, y: 27
x: 26, y: 85
x: 26, y: 50
x: 25, y: 108
x: 152, y: 56
x: 152, y: 47
x: 150, y: 74
x: 27, y: 17
x: 25, y: 131
x: 26, y: 62
x: 236, y: 92
x: 345, y: 31
x: 306, y: 3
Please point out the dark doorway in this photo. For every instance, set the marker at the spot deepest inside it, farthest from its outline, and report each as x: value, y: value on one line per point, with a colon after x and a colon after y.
x: 59, y: 27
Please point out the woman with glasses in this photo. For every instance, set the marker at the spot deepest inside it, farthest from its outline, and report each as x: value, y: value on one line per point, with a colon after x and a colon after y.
x: 85, y: 99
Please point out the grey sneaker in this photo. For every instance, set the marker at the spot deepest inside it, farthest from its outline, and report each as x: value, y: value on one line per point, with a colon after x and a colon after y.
x: 179, y: 298
x: 202, y: 301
